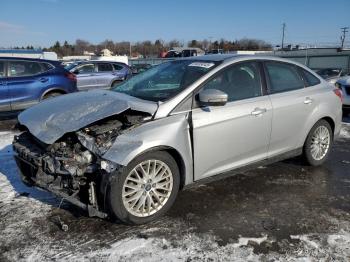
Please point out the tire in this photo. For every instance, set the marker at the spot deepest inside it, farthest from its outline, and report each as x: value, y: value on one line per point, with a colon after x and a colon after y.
x: 115, y: 82
x: 317, y: 147
x: 52, y: 95
x: 119, y: 193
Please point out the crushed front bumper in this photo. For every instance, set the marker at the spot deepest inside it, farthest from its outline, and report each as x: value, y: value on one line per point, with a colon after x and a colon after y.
x: 34, y: 165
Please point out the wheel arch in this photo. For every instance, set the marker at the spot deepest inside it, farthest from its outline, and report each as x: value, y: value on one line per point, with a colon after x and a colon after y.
x: 53, y: 90
x: 329, y: 120
x: 177, y: 157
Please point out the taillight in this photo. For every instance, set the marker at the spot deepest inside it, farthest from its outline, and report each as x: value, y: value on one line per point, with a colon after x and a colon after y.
x: 71, y: 76
x: 338, y: 92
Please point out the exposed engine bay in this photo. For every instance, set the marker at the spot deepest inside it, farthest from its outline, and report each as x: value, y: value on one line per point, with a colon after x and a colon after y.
x: 71, y: 167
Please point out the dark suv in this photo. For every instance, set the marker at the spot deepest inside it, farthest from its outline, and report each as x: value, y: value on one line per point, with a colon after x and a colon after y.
x: 24, y: 82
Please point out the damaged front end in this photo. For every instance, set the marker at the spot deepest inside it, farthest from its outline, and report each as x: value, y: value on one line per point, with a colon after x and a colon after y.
x: 73, y: 167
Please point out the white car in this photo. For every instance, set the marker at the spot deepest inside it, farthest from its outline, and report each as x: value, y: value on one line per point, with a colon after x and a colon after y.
x: 344, y: 84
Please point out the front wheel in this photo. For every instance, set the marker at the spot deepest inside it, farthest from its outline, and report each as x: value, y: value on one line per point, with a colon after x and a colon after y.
x: 318, y: 143
x: 145, y: 189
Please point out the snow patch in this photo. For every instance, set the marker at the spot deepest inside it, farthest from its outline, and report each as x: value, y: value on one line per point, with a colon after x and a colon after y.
x: 344, y: 133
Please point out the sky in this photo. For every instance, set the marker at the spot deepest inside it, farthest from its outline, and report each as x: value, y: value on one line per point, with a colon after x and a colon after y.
x: 42, y: 22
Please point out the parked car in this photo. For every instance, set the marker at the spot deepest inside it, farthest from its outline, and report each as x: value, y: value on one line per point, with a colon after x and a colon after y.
x: 344, y: 84
x: 25, y: 82
x: 99, y: 74
x: 331, y: 74
x: 183, y: 52
x: 139, y: 68
x: 215, y: 51
x: 172, y: 53
x: 126, y: 153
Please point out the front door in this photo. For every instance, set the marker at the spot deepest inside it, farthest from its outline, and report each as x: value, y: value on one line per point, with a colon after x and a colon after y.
x: 86, y: 77
x: 5, y: 102
x: 238, y: 133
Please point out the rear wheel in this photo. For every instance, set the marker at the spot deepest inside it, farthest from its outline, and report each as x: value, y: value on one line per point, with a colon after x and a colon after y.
x: 318, y: 143
x: 145, y: 189
x: 116, y: 82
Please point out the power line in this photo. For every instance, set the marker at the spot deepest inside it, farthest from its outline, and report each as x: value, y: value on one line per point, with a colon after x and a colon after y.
x: 342, y: 38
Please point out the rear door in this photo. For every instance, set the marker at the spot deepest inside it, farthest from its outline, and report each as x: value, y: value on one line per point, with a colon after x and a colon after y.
x: 86, y: 76
x: 104, y: 75
x: 238, y: 133
x: 5, y: 102
x: 292, y: 104
x: 25, y: 83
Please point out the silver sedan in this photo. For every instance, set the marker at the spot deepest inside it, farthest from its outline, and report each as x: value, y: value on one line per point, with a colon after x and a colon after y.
x: 126, y: 153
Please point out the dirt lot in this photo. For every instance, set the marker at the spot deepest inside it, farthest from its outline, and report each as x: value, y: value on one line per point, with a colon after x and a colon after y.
x: 286, y: 211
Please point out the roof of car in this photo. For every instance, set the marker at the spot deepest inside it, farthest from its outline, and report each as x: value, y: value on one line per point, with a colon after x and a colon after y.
x: 29, y: 59
x: 232, y: 57
x: 214, y: 57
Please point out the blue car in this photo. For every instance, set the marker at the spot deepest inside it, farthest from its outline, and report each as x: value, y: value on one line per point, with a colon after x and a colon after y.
x: 25, y: 82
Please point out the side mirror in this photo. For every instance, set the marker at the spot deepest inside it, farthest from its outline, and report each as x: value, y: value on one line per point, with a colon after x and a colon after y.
x: 212, y: 97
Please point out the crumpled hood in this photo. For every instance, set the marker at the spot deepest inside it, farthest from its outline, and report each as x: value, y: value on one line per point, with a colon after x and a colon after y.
x: 52, y: 118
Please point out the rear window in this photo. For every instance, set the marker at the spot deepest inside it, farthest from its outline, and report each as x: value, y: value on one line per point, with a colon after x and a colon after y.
x: 117, y: 67
x: 310, y: 79
x: 46, y: 66
x: 2, y: 69
x: 104, y: 67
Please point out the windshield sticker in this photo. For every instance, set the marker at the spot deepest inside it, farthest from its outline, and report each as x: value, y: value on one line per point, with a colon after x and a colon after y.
x: 201, y: 64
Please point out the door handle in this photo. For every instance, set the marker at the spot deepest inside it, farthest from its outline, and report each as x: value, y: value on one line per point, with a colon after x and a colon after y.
x: 308, y: 101
x: 258, y: 111
x: 43, y: 79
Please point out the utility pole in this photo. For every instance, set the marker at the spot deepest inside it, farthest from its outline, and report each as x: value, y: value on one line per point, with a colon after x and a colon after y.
x: 130, y: 49
x: 283, y: 29
x: 342, y: 38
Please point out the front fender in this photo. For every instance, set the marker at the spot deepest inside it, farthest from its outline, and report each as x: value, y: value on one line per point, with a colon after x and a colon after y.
x: 169, y: 132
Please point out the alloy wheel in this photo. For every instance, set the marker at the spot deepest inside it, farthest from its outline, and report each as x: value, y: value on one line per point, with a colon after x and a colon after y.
x: 147, y: 188
x: 320, y: 142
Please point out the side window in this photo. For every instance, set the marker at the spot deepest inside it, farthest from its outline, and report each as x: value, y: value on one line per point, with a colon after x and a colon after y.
x: 239, y: 82
x: 23, y: 68
x: 85, y: 69
x: 283, y: 77
x: 104, y: 67
x: 310, y: 79
x: 117, y: 67
x: 2, y: 69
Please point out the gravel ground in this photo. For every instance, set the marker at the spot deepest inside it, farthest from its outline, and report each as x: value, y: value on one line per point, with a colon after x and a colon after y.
x: 286, y: 211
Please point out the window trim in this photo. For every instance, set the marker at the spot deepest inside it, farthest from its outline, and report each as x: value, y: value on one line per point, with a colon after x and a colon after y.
x: 263, y: 86
x: 268, y: 79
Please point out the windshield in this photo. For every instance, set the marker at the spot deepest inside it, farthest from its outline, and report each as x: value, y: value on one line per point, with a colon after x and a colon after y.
x: 166, y: 80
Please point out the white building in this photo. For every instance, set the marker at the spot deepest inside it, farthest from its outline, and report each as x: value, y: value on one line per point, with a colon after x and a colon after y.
x: 28, y: 53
